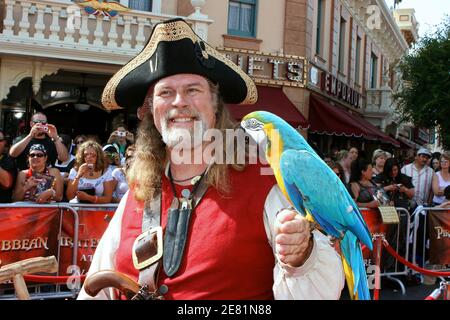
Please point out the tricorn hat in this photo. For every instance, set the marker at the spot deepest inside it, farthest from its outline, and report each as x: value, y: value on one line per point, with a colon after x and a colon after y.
x: 174, y: 48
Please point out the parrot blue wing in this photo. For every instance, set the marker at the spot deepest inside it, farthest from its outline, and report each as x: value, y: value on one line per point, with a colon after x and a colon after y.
x: 307, y: 177
x: 323, y: 194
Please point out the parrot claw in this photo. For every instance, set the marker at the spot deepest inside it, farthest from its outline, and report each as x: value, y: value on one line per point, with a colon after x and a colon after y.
x: 312, y: 226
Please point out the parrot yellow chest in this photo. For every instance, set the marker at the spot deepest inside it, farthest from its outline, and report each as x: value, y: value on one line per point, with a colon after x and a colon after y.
x: 273, y: 155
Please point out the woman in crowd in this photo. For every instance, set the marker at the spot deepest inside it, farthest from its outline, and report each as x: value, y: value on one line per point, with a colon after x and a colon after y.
x: 353, y: 153
x: 78, y: 141
x: 363, y: 188
x: 38, y: 183
x: 337, y: 168
x: 434, y: 162
x: 397, y: 185
x: 378, y: 159
x: 441, y: 179
x: 90, y: 180
x: 344, y: 158
x: 120, y: 175
x: 400, y: 190
x: 112, y: 155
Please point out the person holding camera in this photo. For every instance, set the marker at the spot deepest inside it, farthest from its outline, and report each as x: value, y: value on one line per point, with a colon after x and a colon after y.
x: 41, y: 133
x: 112, y: 156
x: 38, y: 183
x: 122, y: 138
x: 90, y: 181
x: 363, y: 189
x: 397, y: 185
x: 7, y: 170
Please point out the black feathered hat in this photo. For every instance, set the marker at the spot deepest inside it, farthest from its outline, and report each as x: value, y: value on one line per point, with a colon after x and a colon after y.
x: 174, y: 48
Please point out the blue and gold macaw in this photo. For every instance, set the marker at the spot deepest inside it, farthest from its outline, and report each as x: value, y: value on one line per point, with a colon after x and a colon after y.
x: 316, y: 192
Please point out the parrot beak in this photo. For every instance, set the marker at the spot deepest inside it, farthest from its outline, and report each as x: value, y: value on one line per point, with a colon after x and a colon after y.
x: 259, y: 136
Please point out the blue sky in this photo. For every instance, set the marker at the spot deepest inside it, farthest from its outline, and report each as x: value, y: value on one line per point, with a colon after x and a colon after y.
x: 428, y: 12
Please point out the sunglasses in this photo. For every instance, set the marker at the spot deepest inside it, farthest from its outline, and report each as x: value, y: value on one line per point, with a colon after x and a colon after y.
x: 35, y: 155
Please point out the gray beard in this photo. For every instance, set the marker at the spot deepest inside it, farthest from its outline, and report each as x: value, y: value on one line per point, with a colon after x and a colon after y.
x: 185, y: 138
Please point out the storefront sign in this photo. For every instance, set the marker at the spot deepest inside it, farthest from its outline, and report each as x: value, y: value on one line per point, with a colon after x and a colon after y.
x: 275, y: 69
x: 339, y: 89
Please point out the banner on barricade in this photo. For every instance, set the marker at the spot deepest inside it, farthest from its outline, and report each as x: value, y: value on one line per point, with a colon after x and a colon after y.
x: 28, y: 233
x: 92, y: 225
x: 439, y: 233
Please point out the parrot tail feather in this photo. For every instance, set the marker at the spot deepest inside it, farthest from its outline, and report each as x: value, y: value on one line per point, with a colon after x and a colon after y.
x: 354, y: 269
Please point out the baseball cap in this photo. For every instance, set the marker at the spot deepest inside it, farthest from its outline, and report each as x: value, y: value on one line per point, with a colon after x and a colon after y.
x: 424, y: 151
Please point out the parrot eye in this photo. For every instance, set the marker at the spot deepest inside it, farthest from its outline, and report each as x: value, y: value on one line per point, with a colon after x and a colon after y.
x: 254, y: 124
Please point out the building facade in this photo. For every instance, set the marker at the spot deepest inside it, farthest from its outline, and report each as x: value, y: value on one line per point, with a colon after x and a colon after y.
x: 326, y: 66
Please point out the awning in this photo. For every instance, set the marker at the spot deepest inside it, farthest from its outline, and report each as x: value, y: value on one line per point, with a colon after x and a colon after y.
x: 336, y: 120
x: 408, y: 143
x: 272, y: 100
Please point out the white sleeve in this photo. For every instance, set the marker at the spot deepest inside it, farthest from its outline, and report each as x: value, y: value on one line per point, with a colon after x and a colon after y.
x: 104, y: 256
x: 320, y: 277
x: 108, y: 175
x: 72, y: 174
x: 116, y: 174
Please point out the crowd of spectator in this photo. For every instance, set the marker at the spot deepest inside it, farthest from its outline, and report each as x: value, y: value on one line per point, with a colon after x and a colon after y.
x: 43, y: 166
x: 85, y: 170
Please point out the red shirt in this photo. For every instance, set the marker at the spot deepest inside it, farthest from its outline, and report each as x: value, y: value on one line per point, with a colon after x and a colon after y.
x: 227, y: 253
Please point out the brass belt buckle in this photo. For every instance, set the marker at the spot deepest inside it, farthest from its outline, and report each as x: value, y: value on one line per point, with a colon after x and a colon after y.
x: 144, y: 242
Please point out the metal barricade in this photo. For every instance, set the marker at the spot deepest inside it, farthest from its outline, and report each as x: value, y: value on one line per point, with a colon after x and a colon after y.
x: 57, y: 291
x: 419, y: 238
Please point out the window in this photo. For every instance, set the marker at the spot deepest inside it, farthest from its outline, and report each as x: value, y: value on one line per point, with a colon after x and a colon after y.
x: 143, y: 5
x: 320, y: 27
x: 373, y: 70
x: 242, y: 18
x: 341, y: 45
x: 357, y: 59
x: 404, y: 17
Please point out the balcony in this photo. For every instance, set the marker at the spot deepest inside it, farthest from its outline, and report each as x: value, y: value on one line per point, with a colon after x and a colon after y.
x: 61, y: 29
x: 407, y: 24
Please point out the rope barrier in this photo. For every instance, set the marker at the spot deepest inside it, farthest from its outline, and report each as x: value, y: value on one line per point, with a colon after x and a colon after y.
x: 412, y: 266
x: 52, y: 279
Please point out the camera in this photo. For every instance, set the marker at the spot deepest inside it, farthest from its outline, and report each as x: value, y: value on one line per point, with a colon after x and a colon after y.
x: 121, y: 134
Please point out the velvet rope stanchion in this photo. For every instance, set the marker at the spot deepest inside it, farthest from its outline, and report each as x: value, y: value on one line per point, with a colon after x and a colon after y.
x: 412, y: 266
x: 377, y: 240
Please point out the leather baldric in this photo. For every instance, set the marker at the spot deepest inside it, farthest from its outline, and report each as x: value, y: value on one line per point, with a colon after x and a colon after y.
x: 149, y: 247
x: 177, y: 230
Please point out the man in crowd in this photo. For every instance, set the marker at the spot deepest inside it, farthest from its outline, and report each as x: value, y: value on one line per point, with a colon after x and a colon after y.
x: 422, y: 177
x: 241, y: 241
x: 41, y: 133
x: 7, y: 171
